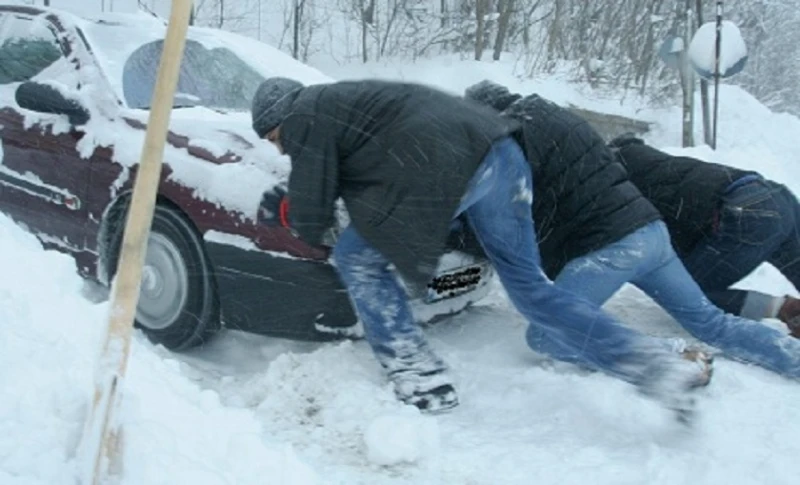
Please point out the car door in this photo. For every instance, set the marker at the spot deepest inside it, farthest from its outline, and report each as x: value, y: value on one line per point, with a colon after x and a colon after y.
x: 43, y: 179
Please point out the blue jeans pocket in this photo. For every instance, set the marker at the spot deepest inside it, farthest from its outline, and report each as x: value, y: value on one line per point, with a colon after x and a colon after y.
x: 751, y: 225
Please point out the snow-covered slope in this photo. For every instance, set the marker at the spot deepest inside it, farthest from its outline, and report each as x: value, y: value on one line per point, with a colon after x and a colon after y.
x: 175, y: 431
x: 251, y: 410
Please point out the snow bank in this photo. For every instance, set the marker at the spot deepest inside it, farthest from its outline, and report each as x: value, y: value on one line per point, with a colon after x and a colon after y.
x: 46, y: 350
x: 454, y: 74
x: 749, y: 136
x: 174, y: 431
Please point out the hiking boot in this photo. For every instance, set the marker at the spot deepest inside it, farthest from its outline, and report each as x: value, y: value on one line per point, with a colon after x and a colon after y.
x: 436, y: 400
x: 701, y: 356
x: 431, y: 392
x: 671, y: 380
x: 705, y: 363
x: 790, y: 315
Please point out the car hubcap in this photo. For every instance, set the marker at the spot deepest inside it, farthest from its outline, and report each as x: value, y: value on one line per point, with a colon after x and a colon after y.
x: 164, y: 285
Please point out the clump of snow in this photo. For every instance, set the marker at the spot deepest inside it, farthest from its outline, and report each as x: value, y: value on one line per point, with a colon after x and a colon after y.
x: 242, y: 242
x: 174, y: 431
x: 525, y: 194
x: 702, y: 49
x: 401, y: 438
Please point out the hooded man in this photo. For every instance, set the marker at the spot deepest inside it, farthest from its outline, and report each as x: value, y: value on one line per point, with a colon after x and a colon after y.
x: 724, y: 223
x: 407, y: 160
x: 598, y: 232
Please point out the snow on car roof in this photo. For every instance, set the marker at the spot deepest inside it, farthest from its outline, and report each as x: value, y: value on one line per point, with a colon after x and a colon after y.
x: 114, y: 37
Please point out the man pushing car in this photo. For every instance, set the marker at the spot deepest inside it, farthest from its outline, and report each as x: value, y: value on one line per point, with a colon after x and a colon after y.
x: 407, y: 160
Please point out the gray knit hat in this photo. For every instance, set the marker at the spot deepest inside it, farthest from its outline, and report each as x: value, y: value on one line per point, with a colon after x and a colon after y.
x: 272, y: 102
x: 491, y: 94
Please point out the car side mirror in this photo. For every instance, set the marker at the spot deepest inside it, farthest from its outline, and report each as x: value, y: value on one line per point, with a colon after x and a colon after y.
x: 45, y: 98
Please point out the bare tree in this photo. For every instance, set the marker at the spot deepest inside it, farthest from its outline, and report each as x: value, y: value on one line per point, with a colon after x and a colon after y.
x: 392, y: 12
x: 481, y: 8
x: 367, y: 20
x: 610, y: 43
x: 506, y: 8
x: 297, y: 16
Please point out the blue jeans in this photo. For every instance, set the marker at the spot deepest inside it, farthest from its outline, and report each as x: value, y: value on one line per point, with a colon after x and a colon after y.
x: 497, y: 205
x: 758, y: 222
x: 646, y: 259
x: 382, y: 305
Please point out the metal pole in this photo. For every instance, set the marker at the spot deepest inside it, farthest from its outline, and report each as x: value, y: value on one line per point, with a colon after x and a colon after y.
x: 688, y: 80
x: 296, y: 33
x: 716, y: 71
x: 704, y: 87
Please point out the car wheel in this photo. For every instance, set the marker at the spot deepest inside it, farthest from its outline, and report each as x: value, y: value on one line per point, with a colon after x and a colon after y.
x: 178, y: 301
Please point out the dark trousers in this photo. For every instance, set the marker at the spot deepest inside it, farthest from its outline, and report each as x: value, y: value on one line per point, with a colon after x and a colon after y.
x: 758, y: 222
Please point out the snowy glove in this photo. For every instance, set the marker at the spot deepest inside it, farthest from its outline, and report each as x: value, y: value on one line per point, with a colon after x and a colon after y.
x: 625, y: 139
x: 274, y: 208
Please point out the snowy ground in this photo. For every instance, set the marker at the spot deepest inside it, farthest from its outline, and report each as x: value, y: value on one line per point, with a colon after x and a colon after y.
x: 251, y: 410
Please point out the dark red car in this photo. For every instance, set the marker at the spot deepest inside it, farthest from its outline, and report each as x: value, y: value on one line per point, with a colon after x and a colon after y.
x: 74, y: 97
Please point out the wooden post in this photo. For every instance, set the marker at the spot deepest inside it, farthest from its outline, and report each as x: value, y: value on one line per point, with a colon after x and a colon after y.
x: 101, y: 442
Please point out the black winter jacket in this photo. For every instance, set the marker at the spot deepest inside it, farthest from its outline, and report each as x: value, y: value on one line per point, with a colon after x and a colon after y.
x: 582, y: 197
x: 400, y: 155
x: 686, y: 191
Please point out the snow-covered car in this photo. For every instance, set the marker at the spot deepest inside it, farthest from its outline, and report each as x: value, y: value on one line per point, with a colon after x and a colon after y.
x: 74, y: 97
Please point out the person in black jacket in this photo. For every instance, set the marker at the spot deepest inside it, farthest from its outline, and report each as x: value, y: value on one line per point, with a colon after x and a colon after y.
x: 724, y: 223
x: 599, y: 232
x: 407, y: 160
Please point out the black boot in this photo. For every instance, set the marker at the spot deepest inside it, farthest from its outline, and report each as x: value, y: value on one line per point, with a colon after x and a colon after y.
x: 435, y: 400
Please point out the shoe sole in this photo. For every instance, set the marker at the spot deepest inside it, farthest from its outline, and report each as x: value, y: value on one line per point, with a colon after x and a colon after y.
x: 704, y: 358
x: 434, y: 401
x: 443, y: 409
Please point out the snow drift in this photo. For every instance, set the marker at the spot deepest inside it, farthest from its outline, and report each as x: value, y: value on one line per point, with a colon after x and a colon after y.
x: 175, y: 431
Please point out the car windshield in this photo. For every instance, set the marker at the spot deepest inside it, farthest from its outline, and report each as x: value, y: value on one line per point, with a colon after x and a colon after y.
x: 215, y: 78
x: 212, y: 73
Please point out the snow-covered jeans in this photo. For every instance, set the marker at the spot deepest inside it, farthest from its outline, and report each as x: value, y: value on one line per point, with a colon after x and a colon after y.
x: 382, y: 306
x: 646, y: 259
x: 758, y: 221
x: 497, y: 205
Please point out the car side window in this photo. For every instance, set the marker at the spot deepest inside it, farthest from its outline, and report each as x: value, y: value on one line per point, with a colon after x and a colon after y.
x: 27, y: 47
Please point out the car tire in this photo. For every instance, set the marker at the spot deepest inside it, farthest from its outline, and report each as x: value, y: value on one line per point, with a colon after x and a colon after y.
x: 178, y: 304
